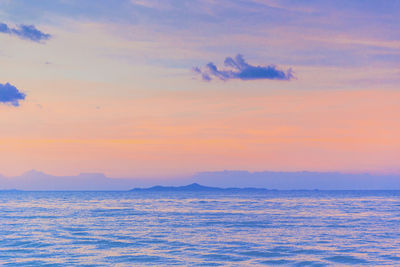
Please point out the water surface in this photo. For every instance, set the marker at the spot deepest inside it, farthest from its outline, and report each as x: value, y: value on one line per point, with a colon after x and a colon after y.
x: 295, y: 228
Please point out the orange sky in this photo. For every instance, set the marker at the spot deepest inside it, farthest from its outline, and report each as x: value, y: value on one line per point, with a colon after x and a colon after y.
x: 185, y: 132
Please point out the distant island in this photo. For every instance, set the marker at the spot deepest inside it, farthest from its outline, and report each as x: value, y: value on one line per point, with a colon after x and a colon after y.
x: 195, y: 187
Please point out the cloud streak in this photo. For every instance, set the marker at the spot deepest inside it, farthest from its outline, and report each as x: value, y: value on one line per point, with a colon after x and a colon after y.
x: 238, y: 68
x: 27, y: 32
x: 9, y: 94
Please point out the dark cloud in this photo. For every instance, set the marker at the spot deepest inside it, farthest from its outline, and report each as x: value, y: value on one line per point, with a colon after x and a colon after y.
x: 9, y: 94
x: 238, y: 68
x: 28, y: 32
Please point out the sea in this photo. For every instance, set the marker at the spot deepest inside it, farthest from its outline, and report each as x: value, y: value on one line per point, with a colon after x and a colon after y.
x: 271, y: 228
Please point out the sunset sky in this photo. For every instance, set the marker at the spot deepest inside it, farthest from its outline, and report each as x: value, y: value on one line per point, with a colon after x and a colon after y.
x: 164, y: 88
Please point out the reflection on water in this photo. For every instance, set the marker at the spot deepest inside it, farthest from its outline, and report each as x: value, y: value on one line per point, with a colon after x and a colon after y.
x: 299, y: 228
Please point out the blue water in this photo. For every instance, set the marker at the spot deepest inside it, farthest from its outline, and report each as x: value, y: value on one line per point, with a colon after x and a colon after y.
x: 298, y: 228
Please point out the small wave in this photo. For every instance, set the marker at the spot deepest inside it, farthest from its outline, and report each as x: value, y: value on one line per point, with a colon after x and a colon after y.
x: 346, y: 260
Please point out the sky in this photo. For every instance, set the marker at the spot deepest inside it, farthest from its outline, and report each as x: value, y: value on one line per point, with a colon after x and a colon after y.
x: 165, y: 88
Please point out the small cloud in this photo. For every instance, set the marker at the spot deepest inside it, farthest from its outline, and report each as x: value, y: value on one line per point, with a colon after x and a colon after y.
x: 238, y: 68
x: 28, y: 32
x: 9, y: 94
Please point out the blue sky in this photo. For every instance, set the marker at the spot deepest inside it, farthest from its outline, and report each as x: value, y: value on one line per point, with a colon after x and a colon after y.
x: 363, y: 20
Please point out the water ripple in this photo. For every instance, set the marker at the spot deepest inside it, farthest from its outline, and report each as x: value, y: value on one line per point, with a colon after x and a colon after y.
x: 297, y: 228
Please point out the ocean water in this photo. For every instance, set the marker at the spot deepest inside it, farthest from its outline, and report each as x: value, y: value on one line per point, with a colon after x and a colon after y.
x: 289, y: 228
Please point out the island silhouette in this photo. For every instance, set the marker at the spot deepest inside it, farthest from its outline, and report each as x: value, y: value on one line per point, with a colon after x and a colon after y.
x: 195, y: 187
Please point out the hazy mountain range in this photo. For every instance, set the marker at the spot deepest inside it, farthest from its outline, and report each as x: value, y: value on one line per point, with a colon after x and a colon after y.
x: 35, y: 180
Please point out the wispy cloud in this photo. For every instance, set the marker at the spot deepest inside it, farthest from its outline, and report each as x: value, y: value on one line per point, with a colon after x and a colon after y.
x: 238, y: 68
x: 28, y: 32
x: 9, y: 94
